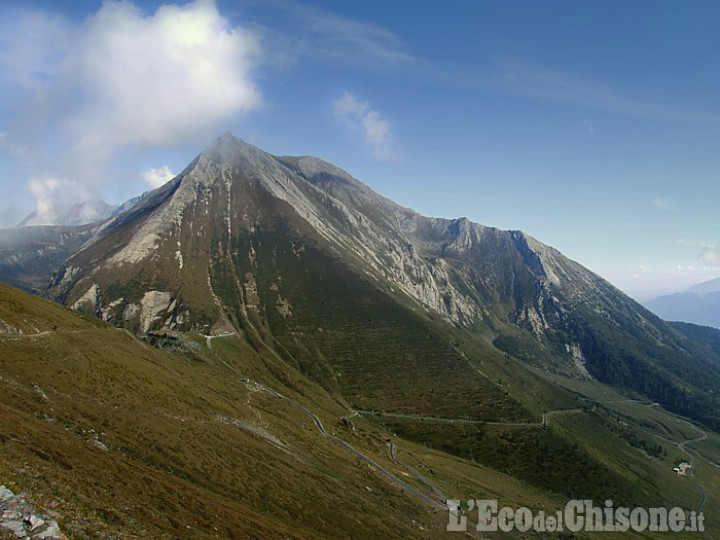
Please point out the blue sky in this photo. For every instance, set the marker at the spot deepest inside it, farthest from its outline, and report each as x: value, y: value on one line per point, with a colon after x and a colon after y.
x: 592, y: 126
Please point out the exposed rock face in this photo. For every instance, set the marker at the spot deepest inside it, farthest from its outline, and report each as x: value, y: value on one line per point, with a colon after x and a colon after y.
x: 226, y: 193
x: 90, y: 300
x: 177, y: 237
x: 19, y: 517
x: 217, y: 249
x: 153, y: 304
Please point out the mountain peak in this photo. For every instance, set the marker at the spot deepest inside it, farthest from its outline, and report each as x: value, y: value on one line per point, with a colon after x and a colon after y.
x: 234, y: 190
x: 228, y: 148
x: 228, y: 141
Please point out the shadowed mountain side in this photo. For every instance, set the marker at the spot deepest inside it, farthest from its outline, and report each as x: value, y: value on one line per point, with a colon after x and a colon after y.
x: 30, y: 255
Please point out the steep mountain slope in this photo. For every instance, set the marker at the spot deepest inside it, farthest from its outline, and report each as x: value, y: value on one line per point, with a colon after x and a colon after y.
x: 216, y: 440
x: 293, y: 303
x: 301, y: 257
x: 122, y: 440
x: 701, y: 335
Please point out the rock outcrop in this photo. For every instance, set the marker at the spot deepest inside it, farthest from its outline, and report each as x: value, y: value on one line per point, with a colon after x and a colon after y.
x: 20, y: 519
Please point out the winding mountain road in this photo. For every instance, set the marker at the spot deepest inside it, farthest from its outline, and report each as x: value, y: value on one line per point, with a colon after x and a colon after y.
x: 436, y: 490
x: 31, y: 335
x: 379, y: 468
x: 209, y: 338
x: 319, y: 425
x: 545, y: 421
x: 682, y: 447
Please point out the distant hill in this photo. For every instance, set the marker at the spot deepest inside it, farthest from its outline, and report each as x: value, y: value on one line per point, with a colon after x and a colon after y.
x: 698, y: 305
x: 711, y: 286
x: 30, y: 253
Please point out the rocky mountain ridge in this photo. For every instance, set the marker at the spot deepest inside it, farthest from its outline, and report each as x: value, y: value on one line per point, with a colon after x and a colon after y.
x: 214, y: 250
x: 30, y: 255
x: 273, y: 301
x: 393, y: 244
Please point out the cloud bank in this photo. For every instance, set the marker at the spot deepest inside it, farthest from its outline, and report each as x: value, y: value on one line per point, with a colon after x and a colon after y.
x: 156, y: 80
x: 709, y: 254
x: 122, y: 79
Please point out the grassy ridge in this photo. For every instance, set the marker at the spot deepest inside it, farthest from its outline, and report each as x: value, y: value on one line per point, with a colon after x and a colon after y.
x: 120, y: 438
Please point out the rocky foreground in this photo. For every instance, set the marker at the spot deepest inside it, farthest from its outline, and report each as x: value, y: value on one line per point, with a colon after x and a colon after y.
x: 19, y: 519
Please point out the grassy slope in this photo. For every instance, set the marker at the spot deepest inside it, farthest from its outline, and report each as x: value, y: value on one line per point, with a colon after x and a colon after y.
x: 173, y: 463
x: 369, y: 348
x: 172, y: 467
x: 622, y: 428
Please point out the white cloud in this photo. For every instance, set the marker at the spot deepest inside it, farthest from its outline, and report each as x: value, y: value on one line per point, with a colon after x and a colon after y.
x: 709, y: 252
x: 123, y: 79
x: 157, y: 80
x: 34, y: 46
x: 692, y: 243
x: 359, y: 116
x: 52, y: 196
x: 157, y: 177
